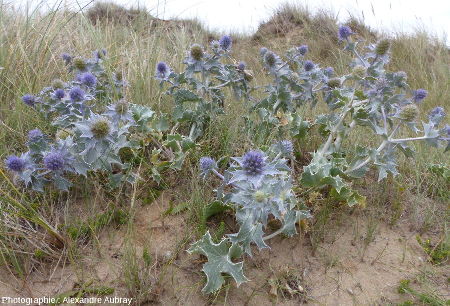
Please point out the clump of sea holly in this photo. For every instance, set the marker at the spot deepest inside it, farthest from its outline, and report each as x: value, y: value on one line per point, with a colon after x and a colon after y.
x: 197, y: 52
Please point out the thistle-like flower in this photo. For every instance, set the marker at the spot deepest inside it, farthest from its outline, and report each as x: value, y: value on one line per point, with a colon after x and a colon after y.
x: 253, y: 163
x: 334, y: 83
x: 436, y: 115
x: 270, y: 59
x: 409, y: 113
x: 35, y: 135
x: 121, y: 107
x: 241, y: 66
x: 344, y: 32
x: 162, y: 70
x: 215, y: 45
x: 87, y: 79
x: 309, y: 65
x: 57, y: 84
x: 54, y: 161
x: 207, y: 164
x: 359, y: 71
x: 15, y: 163
x: 100, y: 54
x: 76, y: 94
x: 329, y: 71
x: 419, y: 95
x: 197, y: 52
x: 67, y: 58
x: 100, y: 128
x: 29, y: 100
x: 59, y: 94
x: 79, y: 63
x: 263, y: 51
x: 286, y: 147
x: 225, y: 42
x: 303, y: 49
x: 382, y: 47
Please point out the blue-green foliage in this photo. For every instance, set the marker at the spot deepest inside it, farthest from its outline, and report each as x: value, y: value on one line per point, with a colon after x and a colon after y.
x: 261, y: 187
x: 368, y: 97
x: 96, y: 125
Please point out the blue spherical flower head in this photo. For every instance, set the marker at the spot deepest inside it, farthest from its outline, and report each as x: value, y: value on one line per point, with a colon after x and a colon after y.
x: 329, y: 71
x: 436, y: 115
x: 87, y: 79
x: 29, y: 100
x: 419, y: 95
x: 270, y: 59
x: 67, y: 58
x: 253, y: 163
x: 100, y: 54
x: 162, y: 70
x: 207, y: 164
x: 309, y: 65
x: 263, y: 51
x: 303, y: 49
x: 241, y: 66
x: 344, y: 32
x: 286, y: 147
x: 76, y: 94
x: 35, y: 135
x: 225, y: 42
x: 54, y: 161
x: 15, y: 163
x: 59, y: 94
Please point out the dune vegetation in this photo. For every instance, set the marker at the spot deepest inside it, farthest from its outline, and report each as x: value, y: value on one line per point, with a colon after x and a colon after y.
x: 131, y: 186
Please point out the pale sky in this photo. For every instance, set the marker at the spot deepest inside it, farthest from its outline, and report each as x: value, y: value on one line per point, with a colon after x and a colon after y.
x: 245, y: 15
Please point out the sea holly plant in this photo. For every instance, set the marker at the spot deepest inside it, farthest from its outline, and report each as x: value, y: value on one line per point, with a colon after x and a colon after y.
x: 368, y: 96
x: 367, y: 99
x: 261, y: 190
x: 198, y: 91
x: 97, y: 130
